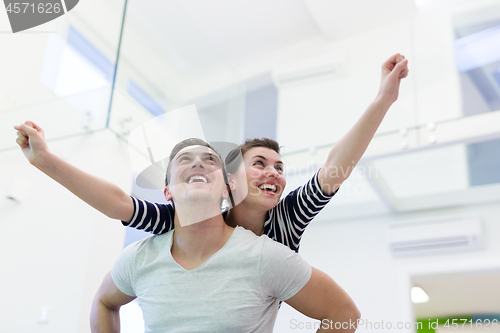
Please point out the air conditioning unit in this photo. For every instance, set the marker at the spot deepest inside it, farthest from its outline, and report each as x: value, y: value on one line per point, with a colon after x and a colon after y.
x: 327, y: 64
x: 435, y: 236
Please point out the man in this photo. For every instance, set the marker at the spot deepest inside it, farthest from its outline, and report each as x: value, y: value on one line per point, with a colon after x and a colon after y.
x: 209, y: 277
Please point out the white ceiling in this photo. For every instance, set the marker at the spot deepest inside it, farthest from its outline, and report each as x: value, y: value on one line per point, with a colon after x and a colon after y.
x: 239, y: 32
x: 341, y: 18
x: 243, y: 30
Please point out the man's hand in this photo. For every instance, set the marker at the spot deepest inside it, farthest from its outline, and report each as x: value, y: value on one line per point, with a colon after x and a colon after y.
x: 31, y: 139
x: 393, y: 70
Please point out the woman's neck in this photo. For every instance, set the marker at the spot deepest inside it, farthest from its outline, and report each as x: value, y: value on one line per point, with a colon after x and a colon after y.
x: 246, y: 217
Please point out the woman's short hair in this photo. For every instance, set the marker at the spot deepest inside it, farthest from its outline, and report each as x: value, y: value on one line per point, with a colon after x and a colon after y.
x: 234, y: 158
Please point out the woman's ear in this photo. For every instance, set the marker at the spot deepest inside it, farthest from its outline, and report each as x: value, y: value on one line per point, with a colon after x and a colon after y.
x: 231, y: 180
x: 167, y: 193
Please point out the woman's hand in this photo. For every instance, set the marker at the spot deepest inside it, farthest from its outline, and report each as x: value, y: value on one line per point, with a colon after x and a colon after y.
x: 393, y: 70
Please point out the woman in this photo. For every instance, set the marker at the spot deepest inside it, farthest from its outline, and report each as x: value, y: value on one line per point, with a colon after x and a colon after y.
x: 255, y: 176
x: 261, y: 211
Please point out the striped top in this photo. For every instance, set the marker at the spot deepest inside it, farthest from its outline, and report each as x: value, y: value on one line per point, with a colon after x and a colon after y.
x: 284, y: 223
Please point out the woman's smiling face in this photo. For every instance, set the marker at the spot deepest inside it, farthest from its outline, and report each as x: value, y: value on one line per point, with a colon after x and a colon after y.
x: 264, y: 177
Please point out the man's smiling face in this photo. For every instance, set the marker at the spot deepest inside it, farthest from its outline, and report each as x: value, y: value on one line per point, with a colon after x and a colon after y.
x: 196, y: 174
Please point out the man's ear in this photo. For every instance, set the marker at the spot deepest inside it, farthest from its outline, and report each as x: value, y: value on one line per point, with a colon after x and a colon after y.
x: 167, y: 193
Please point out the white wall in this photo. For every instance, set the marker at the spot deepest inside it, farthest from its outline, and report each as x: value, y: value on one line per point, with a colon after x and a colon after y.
x: 355, y: 253
x: 322, y: 110
x: 326, y: 108
x: 56, y: 249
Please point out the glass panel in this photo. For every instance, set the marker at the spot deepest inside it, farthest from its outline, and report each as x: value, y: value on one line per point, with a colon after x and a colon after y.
x: 468, y: 82
x: 454, y: 65
x: 478, y: 59
x: 441, y: 170
x: 166, y: 64
x: 63, y: 68
x: 70, y: 119
x: 429, y: 171
x: 399, y: 180
x: 355, y: 190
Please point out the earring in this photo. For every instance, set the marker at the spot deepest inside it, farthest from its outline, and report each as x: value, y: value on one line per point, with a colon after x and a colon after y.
x: 230, y: 186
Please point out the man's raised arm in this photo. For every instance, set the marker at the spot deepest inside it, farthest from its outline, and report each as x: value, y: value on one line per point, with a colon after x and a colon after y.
x: 104, y: 196
x: 323, y: 299
x: 347, y: 152
x: 105, y: 313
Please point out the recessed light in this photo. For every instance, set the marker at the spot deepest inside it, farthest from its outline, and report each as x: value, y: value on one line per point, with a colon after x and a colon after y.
x: 418, y: 295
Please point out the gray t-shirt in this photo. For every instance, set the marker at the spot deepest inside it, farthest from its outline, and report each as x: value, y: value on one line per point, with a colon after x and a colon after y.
x: 236, y: 290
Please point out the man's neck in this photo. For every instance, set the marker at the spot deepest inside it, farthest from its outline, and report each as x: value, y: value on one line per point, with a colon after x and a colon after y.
x: 194, y: 244
x: 248, y: 218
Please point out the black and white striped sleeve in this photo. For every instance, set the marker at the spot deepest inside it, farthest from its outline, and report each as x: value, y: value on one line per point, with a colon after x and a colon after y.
x: 287, y: 221
x: 155, y: 218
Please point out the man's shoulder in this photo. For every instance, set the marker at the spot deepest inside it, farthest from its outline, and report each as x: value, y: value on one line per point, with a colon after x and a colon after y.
x: 246, y: 238
x: 150, y: 242
x: 244, y: 241
x: 245, y: 235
